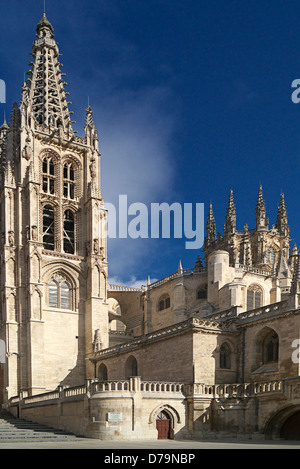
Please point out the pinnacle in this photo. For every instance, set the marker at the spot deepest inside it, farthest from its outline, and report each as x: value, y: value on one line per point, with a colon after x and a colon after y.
x: 46, y: 86
x: 231, y: 206
x: 4, y: 125
x: 44, y: 23
x: 260, y: 209
x: 230, y: 223
x: 296, y: 277
x: 282, y: 221
x: 211, y: 225
x: 260, y: 198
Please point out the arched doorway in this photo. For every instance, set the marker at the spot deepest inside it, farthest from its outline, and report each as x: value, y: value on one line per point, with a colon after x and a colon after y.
x: 163, y: 425
x: 290, y: 430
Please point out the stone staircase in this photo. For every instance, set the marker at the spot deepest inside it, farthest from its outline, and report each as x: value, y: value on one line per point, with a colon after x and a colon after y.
x: 13, y: 430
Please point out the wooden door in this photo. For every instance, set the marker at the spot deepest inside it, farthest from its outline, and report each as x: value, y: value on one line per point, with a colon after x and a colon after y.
x: 163, y: 426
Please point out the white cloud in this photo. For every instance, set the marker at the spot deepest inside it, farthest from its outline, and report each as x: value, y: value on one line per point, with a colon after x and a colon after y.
x: 136, y: 123
x: 133, y: 282
x: 135, y: 144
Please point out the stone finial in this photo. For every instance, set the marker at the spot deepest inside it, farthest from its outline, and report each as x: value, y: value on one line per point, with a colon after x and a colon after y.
x: 210, y: 226
x: 295, y: 288
x: 282, y: 220
x: 260, y: 211
x: 230, y: 222
x: 97, y: 344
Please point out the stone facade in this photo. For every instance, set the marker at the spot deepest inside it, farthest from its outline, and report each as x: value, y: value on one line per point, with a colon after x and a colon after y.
x: 53, y: 272
x: 204, y: 352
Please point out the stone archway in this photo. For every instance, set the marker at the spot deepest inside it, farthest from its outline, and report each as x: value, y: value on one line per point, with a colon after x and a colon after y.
x: 284, y: 424
x: 290, y: 430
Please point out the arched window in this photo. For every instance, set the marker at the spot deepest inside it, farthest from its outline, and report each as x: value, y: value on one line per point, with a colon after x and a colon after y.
x: 131, y: 367
x: 225, y: 357
x: 53, y: 294
x: 48, y: 227
x: 48, y: 176
x: 201, y: 293
x: 254, y: 297
x: 270, y: 347
x: 59, y: 293
x: 64, y: 296
x: 69, y: 181
x: 270, y: 257
x: 102, y: 373
x: 69, y: 232
x: 164, y: 303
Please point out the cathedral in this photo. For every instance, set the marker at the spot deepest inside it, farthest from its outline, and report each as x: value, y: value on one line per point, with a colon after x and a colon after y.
x: 211, y: 351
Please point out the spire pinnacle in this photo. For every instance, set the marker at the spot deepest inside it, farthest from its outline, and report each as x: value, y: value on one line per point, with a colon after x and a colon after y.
x: 260, y: 211
x: 46, y: 92
x: 295, y: 288
x: 44, y: 27
x: 230, y: 222
x: 282, y: 221
x: 210, y: 226
x: 4, y: 125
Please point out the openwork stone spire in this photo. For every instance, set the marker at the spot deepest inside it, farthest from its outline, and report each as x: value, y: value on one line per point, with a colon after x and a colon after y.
x: 295, y: 288
x: 282, y: 221
x: 260, y: 211
x: 45, y: 84
x: 230, y: 222
x: 210, y: 226
x: 245, y: 251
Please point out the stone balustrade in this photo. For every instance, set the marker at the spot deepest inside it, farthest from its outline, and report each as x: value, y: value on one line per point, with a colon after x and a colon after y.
x: 123, y: 288
x: 135, y: 384
x: 234, y: 390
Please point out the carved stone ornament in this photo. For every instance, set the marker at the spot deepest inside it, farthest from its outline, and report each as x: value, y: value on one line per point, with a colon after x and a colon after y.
x: 27, y: 152
x: 34, y: 233
x: 97, y: 344
x: 93, y: 168
x: 11, y: 238
x: 96, y: 246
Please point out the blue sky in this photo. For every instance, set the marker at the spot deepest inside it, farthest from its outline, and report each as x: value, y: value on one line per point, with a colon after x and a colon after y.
x: 190, y: 99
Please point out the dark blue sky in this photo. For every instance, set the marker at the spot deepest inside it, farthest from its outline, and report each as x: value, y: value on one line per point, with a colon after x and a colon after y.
x: 190, y: 99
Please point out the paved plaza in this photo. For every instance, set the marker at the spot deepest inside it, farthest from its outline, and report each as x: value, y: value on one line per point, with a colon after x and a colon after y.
x: 108, y: 447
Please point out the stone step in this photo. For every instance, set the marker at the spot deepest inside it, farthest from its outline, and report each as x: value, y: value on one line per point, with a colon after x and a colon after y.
x: 14, y: 429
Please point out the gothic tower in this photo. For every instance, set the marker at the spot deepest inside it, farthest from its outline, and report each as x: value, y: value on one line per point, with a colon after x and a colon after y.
x: 53, y: 244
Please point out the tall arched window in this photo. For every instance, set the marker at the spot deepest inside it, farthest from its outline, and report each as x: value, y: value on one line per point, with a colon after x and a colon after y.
x: 48, y: 227
x: 59, y: 293
x: 64, y: 296
x: 69, y: 232
x: 254, y: 297
x: 131, y: 367
x: 270, y: 257
x: 270, y: 347
x: 48, y: 176
x: 53, y: 294
x: 225, y: 357
x: 69, y: 181
x: 102, y: 372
